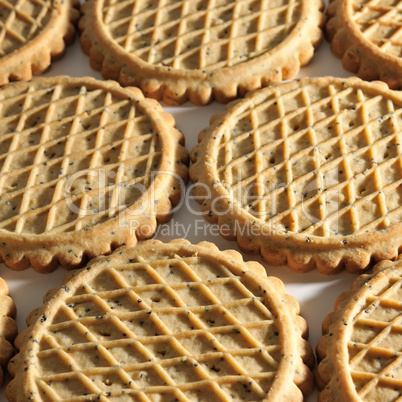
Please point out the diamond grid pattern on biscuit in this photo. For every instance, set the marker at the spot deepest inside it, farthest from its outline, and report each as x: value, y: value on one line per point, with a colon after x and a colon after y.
x: 179, y: 327
x: 71, y: 157
x: 314, y: 160
x: 374, y: 357
x: 20, y: 21
x: 381, y: 23
x: 192, y: 34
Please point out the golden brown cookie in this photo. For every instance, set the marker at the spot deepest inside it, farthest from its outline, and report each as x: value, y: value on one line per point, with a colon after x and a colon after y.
x: 32, y: 33
x: 362, y: 342
x: 366, y: 35
x: 164, y: 322
x: 8, y: 328
x: 306, y: 172
x: 85, y: 166
x: 200, y: 50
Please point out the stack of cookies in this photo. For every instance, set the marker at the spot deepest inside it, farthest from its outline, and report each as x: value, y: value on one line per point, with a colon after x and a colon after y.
x: 305, y: 173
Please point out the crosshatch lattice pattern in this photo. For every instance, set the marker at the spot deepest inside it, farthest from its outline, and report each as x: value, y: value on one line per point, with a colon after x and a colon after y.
x: 199, y: 34
x: 172, y: 327
x: 319, y: 160
x: 20, y: 21
x: 381, y: 23
x: 71, y: 157
x: 374, y: 357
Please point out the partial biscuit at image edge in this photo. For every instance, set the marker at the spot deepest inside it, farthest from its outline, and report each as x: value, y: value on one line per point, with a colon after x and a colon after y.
x: 110, y: 169
x: 265, y: 355
x: 33, y: 56
x: 221, y: 80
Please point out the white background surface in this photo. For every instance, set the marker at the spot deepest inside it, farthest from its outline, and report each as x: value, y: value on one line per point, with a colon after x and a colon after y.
x: 315, y: 292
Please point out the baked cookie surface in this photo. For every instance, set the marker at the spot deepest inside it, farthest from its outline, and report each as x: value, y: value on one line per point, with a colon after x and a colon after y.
x: 306, y: 172
x: 361, y: 346
x: 367, y: 36
x: 8, y: 328
x: 165, y: 321
x: 86, y: 166
x: 32, y: 33
x: 200, y: 50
